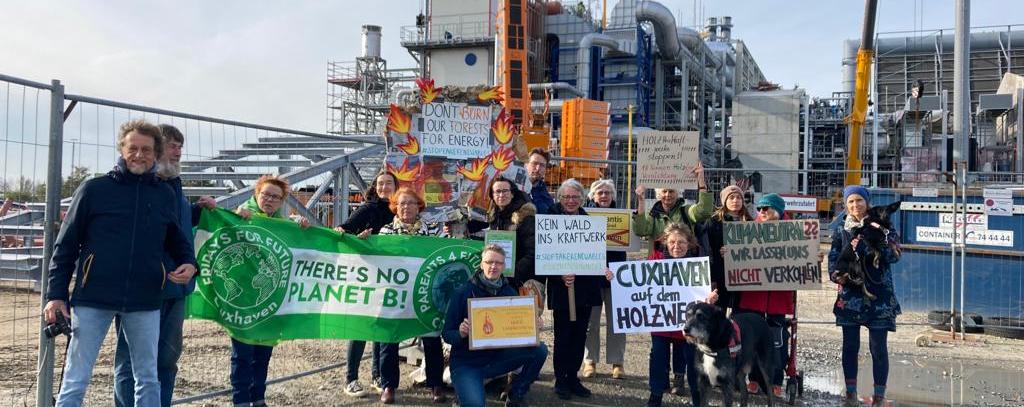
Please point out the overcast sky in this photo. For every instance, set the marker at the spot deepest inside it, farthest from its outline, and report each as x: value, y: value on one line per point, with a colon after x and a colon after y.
x: 265, y: 61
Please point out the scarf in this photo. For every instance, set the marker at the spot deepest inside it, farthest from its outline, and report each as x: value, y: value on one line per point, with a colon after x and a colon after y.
x: 492, y: 287
x: 849, y: 223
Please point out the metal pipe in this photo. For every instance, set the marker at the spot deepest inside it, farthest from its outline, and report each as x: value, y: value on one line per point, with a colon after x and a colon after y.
x: 51, y: 221
x: 952, y: 251
x: 558, y: 86
x: 874, y: 124
x: 963, y: 244
x: 807, y: 141
x: 1020, y: 131
x: 664, y: 24
x: 583, y: 61
x: 961, y: 81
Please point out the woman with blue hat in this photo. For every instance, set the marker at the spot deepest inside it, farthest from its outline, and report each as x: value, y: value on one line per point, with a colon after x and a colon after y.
x: 853, y: 309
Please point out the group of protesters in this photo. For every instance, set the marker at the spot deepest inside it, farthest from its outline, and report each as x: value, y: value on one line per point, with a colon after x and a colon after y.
x: 127, y: 244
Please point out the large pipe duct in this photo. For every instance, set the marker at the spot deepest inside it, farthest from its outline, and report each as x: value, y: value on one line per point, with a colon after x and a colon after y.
x: 583, y: 58
x: 664, y: 26
x: 692, y: 40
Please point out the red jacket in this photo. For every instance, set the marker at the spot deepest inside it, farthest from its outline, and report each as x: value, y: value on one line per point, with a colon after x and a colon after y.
x: 657, y: 255
x: 767, y: 302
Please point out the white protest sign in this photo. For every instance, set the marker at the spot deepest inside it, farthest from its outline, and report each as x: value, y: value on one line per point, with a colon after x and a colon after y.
x: 456, y: 130
x: 987, y: 237
x: 570, y: 244
x: 665, y: 159
x: 652, y: 295
x: 772, y: 256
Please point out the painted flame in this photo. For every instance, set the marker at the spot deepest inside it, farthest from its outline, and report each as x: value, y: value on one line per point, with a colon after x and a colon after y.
x: 405, y: 173
x: 398, y: 121
x: 411, y: 146
x: 490, y: 94
x: 502, y: 127
x: 427, y: 90
x: 476, y: 170
x: 502, y: 158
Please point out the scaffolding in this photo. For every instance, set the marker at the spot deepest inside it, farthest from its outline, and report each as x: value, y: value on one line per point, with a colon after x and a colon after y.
x: 828, y: 144
x: 358, y: 94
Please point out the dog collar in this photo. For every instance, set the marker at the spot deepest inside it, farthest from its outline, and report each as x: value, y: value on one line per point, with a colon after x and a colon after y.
x: 734, y: 343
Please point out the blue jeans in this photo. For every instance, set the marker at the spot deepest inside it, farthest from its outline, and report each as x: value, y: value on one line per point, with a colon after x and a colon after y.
x: 468, y: 378
x: 355, y: 356
x: 249, y: 371
x: 659, y: 365
x: 172, y: 317
x: 89, y: 327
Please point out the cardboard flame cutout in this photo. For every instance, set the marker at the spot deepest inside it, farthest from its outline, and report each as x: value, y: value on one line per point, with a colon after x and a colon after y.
x: 398, y: 121
x: 405, y: 173
x: 427, y: 90
x: 476, y: 169
x: 491, y: 94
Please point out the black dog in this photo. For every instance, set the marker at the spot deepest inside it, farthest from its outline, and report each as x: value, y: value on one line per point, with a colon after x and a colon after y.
x: 874, y: 233
x: 727, y: 349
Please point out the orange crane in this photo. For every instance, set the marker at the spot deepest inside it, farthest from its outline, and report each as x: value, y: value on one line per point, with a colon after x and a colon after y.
x: 858, y: 113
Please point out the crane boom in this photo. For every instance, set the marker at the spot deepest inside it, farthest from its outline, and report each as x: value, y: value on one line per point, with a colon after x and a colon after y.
x: 858, y: 113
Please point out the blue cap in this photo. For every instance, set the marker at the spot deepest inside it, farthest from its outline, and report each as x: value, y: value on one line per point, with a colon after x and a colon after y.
x: 774, y: 201
x: 856, y: 189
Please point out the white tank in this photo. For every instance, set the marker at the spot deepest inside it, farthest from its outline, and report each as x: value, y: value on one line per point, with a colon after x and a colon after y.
x: 371, y: 41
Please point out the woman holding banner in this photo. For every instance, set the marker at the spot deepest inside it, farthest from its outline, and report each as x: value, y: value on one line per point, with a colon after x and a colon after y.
x: 407, y: 206
x: 571, y: 336
x: 852, y: 309
x: 249, y: 363
x: 470, y: 368
x: 732, y: 210
x: 372, y: 215
x: 602, y: 195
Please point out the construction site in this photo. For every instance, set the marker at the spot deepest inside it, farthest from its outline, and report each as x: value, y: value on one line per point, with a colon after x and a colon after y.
x: 931, y: 118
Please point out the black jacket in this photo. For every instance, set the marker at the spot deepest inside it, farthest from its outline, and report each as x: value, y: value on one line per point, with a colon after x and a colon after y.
x: 709, y: 234
x: 588, y: 288
x: 371, y: 215
x: 458, y: 310
x: 114, y: 238
x: 518, y: 216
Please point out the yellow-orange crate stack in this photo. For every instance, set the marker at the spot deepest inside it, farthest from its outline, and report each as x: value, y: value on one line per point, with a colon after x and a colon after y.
x: 585, y: 125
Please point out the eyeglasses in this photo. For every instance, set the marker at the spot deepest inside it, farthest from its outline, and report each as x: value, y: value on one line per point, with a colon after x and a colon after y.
x: 764, y: 209
x: 408, y: 203
x: 494, y: 263
x: 271, y: 197
x: 502, y: 191
x: 570, y: 197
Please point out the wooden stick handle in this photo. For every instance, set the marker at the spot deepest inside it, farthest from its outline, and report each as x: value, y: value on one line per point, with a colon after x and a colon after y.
x: 572, y: 302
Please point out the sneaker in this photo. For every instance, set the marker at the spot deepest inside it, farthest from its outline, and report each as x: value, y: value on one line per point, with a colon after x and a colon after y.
x: 777, y: 391
x: 678, y: 385
x: 354, y: 389
x: 377, y: 384
x: 589, y: 369
x: 617, y: 372
x: 578, y: 390
x: 753, y: 388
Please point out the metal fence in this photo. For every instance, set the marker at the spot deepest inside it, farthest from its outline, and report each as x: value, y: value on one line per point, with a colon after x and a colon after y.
x: 50, y: 138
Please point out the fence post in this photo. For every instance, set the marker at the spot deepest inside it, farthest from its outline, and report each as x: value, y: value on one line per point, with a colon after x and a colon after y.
x: 51, y: 221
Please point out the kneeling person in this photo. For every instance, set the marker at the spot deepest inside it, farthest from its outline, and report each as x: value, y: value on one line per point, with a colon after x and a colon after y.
x: 470, y: 368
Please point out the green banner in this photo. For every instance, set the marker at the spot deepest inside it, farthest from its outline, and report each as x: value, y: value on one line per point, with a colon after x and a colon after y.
x: 267, y: 280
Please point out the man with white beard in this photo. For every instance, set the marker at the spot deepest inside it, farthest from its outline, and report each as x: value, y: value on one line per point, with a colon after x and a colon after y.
x: 172, y: 308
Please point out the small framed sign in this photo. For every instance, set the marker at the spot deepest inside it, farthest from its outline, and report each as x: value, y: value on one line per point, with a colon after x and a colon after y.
x: 506, y: 239
x: 502, y: 322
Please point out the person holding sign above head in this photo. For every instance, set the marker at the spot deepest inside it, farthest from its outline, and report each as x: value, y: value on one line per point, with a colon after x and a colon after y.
x: 372, y: 215
x: 571, y: 336
x: 680, y: 243
x: 407, y: 206
x: 470, y: 368
x: 249, y: 363
x: 732, y: 210
x: 852, y: 308
x: 602, y: 195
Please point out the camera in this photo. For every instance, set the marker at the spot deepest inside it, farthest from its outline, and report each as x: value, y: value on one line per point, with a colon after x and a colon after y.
x: 59, y: 327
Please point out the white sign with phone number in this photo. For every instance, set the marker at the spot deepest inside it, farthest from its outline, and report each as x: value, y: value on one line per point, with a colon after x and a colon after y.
x: 1000, y: 238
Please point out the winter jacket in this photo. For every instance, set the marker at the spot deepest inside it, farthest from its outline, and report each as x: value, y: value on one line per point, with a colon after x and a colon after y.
x: 610, y: 256
x: 766, y: 302
x: 114, y: 238
x: 518, y: 216
x: 652, y: 224
x: 541, y: 197
x: 657, y: 255
x: 588, y: 288
x: 458, y: 310
x: 371, y: 215
x: 709, y: 234
x: 851, y: 307
x: 187, y: 219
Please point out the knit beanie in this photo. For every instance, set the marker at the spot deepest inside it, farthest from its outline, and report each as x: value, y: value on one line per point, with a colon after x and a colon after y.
x: 859, y: 190
x: 774, y: 201
x: 729, y: 190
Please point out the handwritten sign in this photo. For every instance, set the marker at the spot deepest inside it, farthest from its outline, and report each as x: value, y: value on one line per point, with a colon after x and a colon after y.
x: 456, y: 130
x: 772, y: 256
x: 665, y: 159
x: 502, y: 322
x: 652, y: 295
x: 506, y: 239
x: 620, y: 229
x: 570, y: 244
